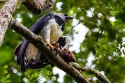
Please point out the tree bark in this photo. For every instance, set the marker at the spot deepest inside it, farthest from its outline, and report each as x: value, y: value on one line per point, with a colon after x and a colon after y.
x: 38, y: 6
x: 101, y: 77
x: 5, y: 16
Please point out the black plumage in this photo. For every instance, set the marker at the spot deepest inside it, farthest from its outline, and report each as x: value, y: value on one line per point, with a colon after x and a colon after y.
x: 62, y: 41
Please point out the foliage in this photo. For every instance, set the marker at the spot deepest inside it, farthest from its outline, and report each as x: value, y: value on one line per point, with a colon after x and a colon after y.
x: 104, y: 40
x: 5, y: 76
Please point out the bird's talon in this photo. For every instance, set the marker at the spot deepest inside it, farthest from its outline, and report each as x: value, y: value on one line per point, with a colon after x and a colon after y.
x: 51, y: 46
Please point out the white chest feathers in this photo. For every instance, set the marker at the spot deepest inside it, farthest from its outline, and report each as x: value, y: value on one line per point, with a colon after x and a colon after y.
x: 55, y: 31
x: 51, y: 32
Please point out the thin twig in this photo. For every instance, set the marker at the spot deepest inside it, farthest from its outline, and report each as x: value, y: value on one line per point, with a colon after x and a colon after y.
x: 101, y: 77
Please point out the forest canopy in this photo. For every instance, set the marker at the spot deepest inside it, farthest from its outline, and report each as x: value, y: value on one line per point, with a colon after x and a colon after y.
x: 101, y: 43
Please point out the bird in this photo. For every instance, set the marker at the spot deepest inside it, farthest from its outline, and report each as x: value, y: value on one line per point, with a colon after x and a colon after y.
x: 62, y: 44
x: 50, y: 27
x: 41, y: 61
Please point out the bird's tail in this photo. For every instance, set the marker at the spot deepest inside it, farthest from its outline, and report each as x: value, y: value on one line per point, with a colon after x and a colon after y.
x: 20, y: 56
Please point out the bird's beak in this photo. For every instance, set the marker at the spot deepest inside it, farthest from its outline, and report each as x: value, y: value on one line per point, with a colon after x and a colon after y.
x: 68, y: 18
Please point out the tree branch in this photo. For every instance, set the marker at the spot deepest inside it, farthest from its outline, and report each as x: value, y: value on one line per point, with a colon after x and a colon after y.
x: 5, y: 16
x: 53, y: 56
x: 101, y: 77
x: 38, y: 6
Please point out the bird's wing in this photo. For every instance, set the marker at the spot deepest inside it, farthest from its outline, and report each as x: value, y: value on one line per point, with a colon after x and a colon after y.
x: 36, y: 28
x: 20, y: 50
x: 20, y: 54
x: 38, y: 25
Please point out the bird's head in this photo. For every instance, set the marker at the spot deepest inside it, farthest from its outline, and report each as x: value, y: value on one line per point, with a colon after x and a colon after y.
x: 65, y: 17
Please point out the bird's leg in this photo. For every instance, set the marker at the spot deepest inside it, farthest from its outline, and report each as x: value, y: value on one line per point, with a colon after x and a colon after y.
x: 51, y: 46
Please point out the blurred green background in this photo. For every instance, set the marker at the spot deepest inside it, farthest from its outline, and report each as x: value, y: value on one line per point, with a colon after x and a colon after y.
x: 102, y: 47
